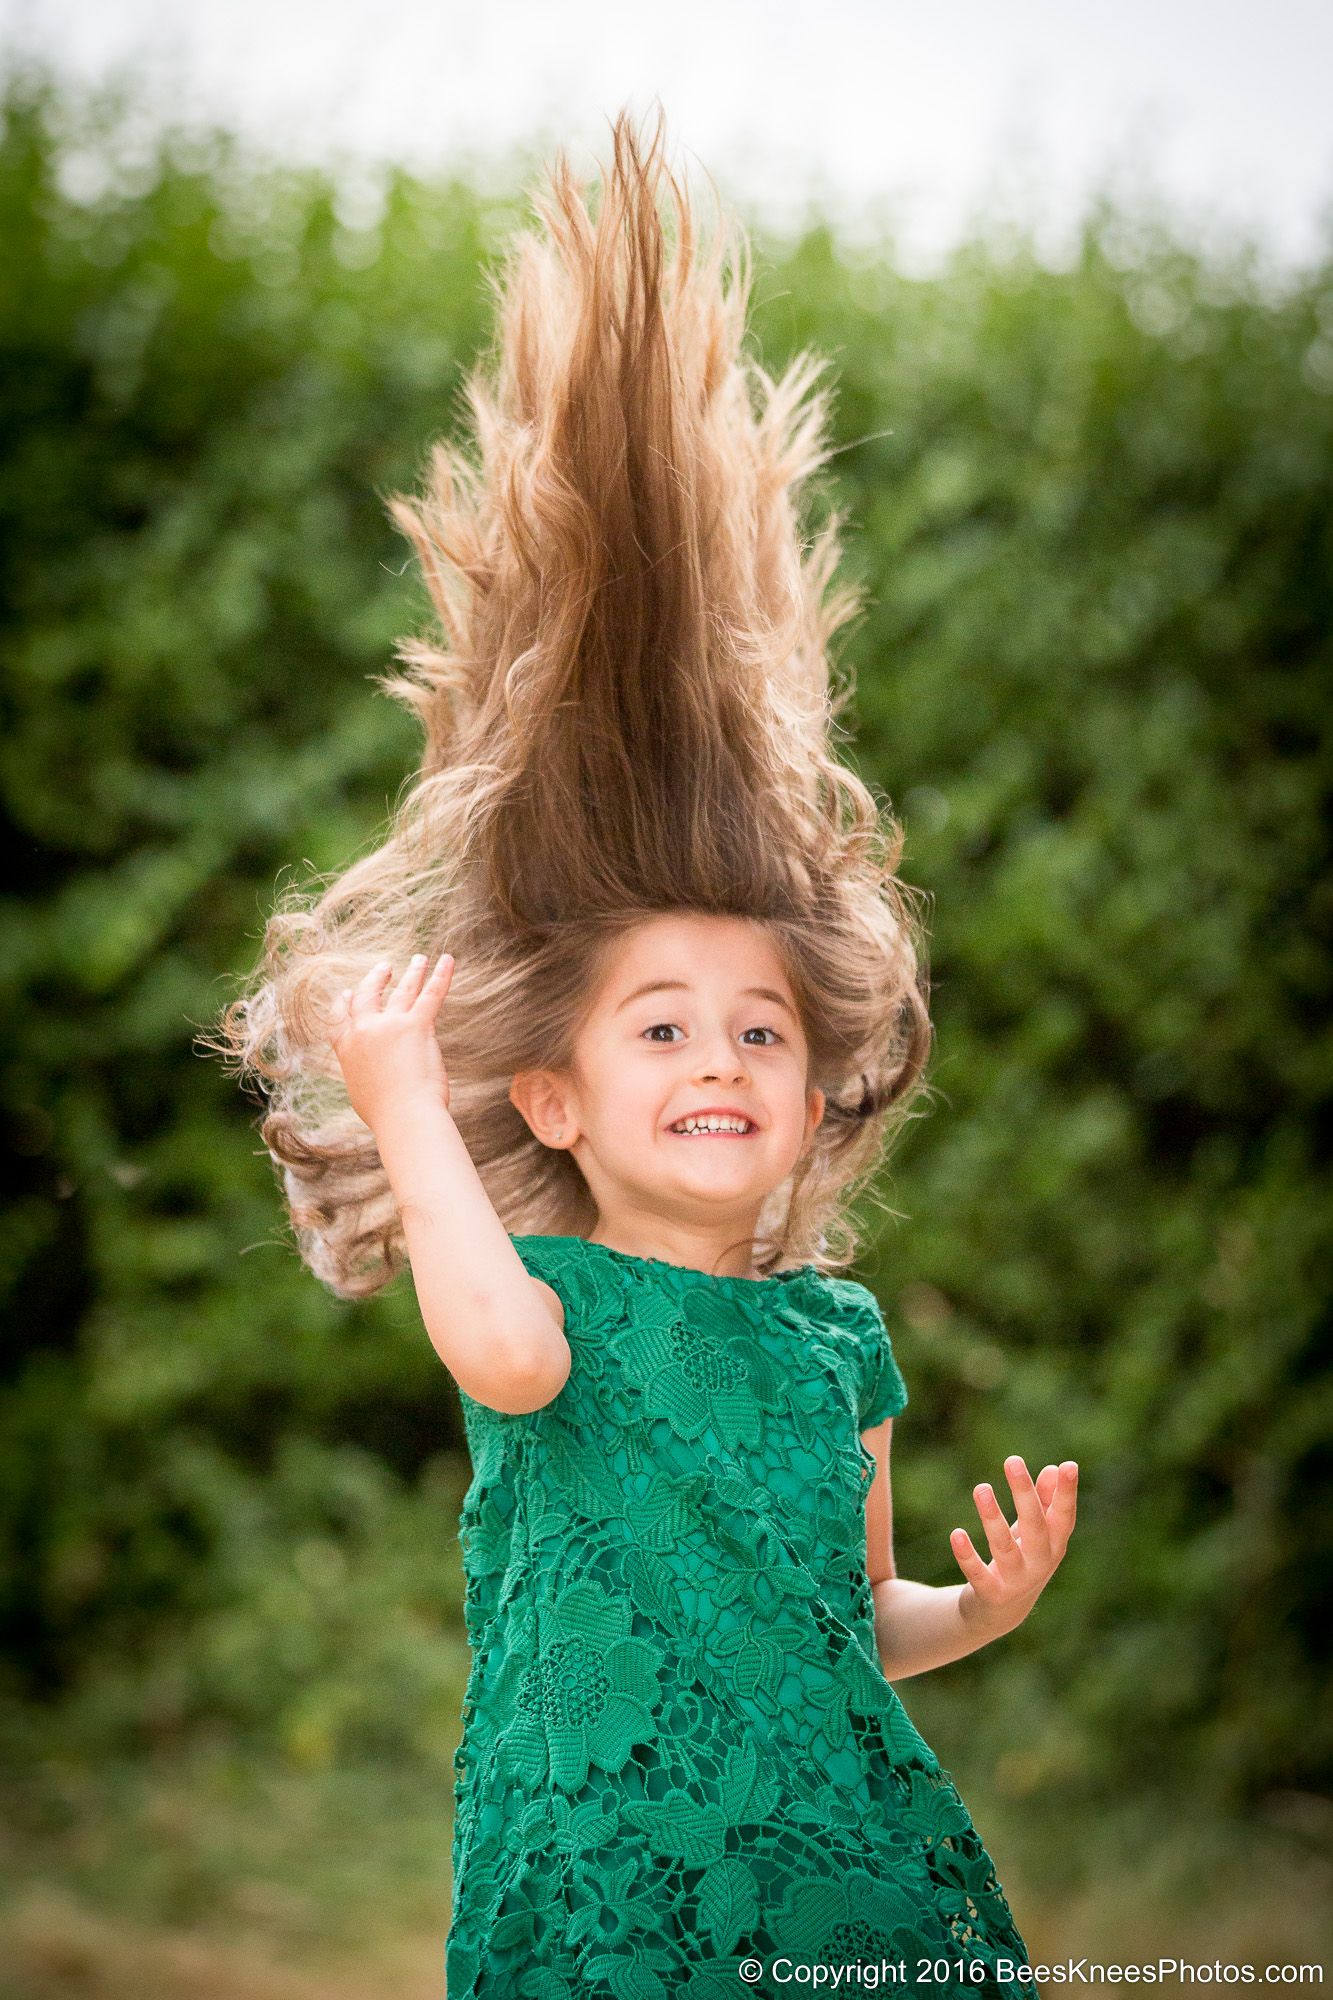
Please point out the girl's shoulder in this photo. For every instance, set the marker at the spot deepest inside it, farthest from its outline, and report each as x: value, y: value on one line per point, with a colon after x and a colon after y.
x: 569, y: 1265
x: 597, y: 1287
x: 854, y: 1306
x: 597, y: 1280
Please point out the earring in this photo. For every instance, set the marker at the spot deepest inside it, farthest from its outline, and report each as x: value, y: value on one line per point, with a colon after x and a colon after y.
x: 561, y: 1133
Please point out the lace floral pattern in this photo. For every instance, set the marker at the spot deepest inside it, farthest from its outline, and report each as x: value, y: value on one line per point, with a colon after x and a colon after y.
x: 679, y: 1750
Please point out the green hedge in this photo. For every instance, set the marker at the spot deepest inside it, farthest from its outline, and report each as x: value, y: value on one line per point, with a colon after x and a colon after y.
x: 1092, y: 680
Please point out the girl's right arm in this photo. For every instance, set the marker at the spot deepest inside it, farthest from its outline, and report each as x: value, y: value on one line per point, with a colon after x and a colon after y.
x: 497, y: 1330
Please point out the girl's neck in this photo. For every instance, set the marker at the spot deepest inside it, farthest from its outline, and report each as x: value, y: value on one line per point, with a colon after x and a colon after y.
x: 691, y: 1253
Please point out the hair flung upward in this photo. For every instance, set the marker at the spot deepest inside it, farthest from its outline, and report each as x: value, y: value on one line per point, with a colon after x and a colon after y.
x: 627, y: 709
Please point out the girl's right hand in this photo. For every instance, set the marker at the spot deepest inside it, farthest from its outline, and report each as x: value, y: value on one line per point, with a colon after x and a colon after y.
x: 387, y: 1048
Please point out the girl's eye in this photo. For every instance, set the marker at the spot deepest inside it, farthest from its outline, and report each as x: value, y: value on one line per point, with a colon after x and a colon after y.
x: 749, y: 1031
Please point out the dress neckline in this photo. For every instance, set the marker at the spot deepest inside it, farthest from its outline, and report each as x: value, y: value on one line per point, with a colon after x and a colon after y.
x: 690, y: 1271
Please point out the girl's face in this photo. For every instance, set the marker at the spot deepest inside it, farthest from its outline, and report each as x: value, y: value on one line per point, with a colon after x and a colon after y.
x: 695, y: 1015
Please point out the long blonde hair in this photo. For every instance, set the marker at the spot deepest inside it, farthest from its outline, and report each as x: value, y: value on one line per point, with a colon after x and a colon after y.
x: 627, y: 709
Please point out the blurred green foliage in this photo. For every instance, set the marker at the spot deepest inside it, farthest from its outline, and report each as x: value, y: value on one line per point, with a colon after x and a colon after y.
x: 1093, y: 681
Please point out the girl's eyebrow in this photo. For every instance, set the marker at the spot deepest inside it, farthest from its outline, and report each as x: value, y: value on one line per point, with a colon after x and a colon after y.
x: 680, y: 986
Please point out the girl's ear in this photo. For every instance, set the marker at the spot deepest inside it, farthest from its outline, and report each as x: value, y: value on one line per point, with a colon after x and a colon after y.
x: 537, y: 1095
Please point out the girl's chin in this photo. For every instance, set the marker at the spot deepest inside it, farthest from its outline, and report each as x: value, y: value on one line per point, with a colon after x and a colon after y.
x: 737, y: 1169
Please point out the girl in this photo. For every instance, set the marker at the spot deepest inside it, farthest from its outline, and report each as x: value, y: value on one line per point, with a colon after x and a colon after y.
x: 688, y: 1012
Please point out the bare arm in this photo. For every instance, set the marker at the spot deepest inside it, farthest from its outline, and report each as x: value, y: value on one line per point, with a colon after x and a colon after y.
x: 917, y: 1625
x: 921, y: 1625
x: 497, y: 1330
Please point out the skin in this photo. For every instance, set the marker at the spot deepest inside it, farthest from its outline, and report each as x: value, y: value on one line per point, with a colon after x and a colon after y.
x: 639, y: 1065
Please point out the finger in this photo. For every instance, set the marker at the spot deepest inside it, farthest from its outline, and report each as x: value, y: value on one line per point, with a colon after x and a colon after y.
x: 1064, y: 1507
x: 1047, y: 1481
x: 434, y: 989
x: 979, y: 1574
x: 365, y: 999
x: 405, y: 992
x: 1031, y: 1514
x: 340, y: 1013
x: 1007, y: 1554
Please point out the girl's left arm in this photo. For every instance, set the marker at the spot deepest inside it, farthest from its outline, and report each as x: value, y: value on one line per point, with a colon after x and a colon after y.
x: 921, y: 1625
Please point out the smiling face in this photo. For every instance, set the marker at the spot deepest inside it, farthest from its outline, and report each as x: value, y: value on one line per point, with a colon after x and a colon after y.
x: 695, y: 1014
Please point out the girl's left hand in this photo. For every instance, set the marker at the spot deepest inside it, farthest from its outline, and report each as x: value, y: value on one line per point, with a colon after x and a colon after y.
x: 999, y: 1594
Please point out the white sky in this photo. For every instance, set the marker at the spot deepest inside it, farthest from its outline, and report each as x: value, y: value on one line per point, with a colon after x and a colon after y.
x: 925, y: 111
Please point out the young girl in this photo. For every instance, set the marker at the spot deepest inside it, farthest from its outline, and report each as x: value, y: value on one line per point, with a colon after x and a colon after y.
x: 685, y: 1012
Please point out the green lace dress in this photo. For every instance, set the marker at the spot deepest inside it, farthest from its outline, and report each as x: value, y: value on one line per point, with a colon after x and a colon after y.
x: 679, y: 1750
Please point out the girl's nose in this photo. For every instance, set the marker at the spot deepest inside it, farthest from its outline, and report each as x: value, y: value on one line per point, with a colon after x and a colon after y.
x: 729, y: 1073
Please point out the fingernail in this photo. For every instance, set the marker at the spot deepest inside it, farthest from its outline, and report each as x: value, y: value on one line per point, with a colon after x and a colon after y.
x: 418, y: 958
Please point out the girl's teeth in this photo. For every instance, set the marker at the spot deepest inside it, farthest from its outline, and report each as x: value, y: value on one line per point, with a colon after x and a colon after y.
x: 691, y: 1130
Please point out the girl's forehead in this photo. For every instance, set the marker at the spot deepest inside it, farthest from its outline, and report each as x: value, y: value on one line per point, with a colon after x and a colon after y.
x: 681, y: 942
x: 680, y: 960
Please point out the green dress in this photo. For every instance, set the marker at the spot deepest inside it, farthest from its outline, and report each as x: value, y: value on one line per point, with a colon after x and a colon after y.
x: 679, y: 1750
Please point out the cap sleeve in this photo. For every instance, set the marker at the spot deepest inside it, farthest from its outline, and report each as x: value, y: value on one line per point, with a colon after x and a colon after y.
x: 590, y: 1289
x: 882, y: 1391
x: 885, y: 1390
x: 554, y: 1260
